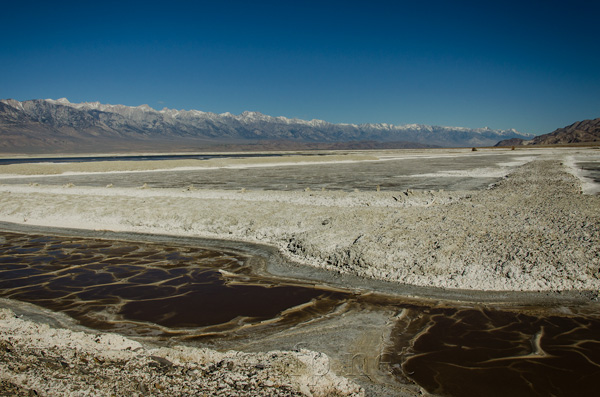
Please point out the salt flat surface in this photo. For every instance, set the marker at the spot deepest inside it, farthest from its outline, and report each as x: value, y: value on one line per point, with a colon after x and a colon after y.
x: 399, y: 170
x: 533, y: 231
x: 486, y: 220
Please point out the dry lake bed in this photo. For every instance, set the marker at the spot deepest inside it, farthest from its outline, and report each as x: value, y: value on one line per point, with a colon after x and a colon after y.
x: 445, y: 272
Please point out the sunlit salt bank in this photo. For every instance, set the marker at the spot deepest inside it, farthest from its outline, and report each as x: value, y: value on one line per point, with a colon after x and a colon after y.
x: 587, y: 168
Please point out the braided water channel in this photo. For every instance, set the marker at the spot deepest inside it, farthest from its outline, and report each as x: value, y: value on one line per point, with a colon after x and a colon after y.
x: 196, y: 295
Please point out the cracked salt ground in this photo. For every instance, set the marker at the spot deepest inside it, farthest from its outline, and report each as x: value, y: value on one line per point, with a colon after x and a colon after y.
x: 533, y: 231
x: 467, y: 172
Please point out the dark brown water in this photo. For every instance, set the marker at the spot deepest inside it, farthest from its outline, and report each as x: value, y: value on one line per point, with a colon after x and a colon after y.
x: 482, y: 352
x: 146, y: 288
x: 192, y: 293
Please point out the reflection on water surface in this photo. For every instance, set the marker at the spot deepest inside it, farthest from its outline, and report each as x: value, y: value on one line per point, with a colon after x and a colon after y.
x: 591, y: 170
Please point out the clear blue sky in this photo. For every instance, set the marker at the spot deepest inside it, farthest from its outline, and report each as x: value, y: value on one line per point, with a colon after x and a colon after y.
x: 529, y: 65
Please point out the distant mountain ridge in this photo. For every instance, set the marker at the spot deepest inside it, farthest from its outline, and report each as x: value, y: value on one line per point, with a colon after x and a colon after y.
x: 48, y: 124
x: 586, y: 131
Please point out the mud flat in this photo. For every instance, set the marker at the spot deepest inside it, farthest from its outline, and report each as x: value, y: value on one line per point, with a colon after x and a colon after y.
x: 173, y: 294
x: 166, y: 291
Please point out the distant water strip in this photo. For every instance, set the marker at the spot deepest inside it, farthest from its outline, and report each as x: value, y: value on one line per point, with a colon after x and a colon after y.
x: 591, y: 172
x: 86, y: 159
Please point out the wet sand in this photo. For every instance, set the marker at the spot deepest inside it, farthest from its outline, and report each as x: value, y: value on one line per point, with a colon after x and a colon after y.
x: 162, y: 165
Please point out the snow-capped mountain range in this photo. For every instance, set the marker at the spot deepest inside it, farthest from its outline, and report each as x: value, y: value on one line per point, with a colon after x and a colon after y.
x: 59, y: 122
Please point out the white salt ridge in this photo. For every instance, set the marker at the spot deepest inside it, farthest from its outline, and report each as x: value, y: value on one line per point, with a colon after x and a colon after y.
x: 589, y: 185
x: 500, y: 170
x: 473, y: 173
x: 63, y: 362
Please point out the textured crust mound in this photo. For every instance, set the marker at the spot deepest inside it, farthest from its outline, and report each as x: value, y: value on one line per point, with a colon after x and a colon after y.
x: 36, y: 359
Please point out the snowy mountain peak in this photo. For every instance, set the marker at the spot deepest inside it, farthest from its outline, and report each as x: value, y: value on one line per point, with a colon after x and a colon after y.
x: 89, y: 105
x: 145, y: 108
x: 60, y: 101
x: 249, y: 125
x: 12, y: 103
x: 170, y: 112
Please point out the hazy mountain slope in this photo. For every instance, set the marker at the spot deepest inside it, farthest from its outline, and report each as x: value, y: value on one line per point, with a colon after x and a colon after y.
x: 50, y: 125
x: 579, y: 132
x: 586, y: 131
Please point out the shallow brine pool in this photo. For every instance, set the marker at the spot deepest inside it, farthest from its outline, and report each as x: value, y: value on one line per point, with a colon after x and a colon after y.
x: 189, y: 294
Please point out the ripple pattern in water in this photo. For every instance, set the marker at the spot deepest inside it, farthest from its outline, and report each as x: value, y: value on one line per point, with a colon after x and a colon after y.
x: 143, y: 288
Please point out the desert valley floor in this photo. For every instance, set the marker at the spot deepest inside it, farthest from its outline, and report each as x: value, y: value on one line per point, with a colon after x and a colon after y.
x: 446, y: 271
